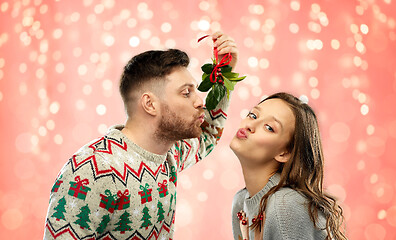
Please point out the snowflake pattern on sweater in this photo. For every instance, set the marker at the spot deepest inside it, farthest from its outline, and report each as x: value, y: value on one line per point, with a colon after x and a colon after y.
x: 113, y: 189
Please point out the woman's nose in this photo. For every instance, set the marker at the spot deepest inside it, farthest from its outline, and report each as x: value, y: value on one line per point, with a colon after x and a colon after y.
x: 250, y: 126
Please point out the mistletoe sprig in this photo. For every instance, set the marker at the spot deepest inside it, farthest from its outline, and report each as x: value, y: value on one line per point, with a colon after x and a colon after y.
x: 218, y: 78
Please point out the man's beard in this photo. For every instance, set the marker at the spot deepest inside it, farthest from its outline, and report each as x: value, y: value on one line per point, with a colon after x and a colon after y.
x: 173, y: 128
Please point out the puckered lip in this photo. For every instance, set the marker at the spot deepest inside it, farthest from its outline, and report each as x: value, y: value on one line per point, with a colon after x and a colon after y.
x: 242, y: 133
x: 201, y: 118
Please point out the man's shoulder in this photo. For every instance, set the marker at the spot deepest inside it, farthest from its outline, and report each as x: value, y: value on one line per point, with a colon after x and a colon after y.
x: 97, y: 153
x: 107, y: 143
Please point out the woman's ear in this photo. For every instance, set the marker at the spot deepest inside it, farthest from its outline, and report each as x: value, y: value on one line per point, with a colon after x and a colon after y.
x: 283, y: 157
x: 149, y: 103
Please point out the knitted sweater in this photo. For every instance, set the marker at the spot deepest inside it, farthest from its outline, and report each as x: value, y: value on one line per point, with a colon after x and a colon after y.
x: 114, y: 189
x: 286, y: 214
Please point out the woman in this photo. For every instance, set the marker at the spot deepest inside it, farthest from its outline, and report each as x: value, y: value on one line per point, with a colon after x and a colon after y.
x: 280, y: 151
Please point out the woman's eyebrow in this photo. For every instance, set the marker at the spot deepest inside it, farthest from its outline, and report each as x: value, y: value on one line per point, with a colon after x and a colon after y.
x: 273, y: 117
x: 277, y: 120
x: 257, y: 107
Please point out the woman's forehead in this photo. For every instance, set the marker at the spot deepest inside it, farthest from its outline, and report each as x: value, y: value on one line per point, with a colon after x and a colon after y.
x: 277, y: 108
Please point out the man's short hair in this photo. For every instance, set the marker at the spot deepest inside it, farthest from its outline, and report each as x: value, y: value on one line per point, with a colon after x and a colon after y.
x: 149, y: 66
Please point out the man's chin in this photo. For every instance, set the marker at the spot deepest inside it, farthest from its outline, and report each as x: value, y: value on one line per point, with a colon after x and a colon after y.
x: 199, y: 132
x: 196, y: 134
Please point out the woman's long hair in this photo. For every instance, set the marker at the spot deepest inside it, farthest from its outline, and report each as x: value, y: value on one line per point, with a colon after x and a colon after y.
x: 304, y: 170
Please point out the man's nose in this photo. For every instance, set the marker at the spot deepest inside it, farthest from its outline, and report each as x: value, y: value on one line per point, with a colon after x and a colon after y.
x: 198, y: 102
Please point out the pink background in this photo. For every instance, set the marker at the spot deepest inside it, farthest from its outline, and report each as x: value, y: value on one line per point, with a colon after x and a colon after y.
x: 60, y: 62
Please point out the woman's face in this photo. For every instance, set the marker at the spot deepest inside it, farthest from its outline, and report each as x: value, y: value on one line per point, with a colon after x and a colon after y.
x: 265, y: 133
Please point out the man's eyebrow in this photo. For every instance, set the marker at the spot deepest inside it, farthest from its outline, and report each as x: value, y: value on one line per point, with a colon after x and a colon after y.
x: 188, y: 85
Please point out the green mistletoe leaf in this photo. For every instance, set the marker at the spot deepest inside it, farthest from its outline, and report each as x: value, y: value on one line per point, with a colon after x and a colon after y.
x: 214, y: 96
x: 204, y: 75
x: 238, y: 79
x: 205, y: 85
x: 228, y: 84
x: 230, y: 75
x: 226, y: 69
x: 224, y: 79
x: 219, y: 91
x: 210, y: 102
x: 207, y: 68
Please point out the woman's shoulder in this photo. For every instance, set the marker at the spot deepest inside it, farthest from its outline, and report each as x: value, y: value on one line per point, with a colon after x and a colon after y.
x: 289, y: 205
x: 288, y: 199
x: 287, y: 215
x: 240, y: 195
x: 289, y: 195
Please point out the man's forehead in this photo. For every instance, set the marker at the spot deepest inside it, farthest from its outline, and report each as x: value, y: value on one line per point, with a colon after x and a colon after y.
x: 180, y: 78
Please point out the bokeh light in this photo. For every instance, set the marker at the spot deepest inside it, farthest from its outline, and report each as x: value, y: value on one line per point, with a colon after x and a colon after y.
x: 60, y: 63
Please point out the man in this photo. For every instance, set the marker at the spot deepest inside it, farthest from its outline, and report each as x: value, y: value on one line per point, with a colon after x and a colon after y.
x: 123, y: 185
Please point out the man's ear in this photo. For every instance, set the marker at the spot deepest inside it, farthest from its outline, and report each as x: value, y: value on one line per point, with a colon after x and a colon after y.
x: 283, y: 157
x: 149, y: 103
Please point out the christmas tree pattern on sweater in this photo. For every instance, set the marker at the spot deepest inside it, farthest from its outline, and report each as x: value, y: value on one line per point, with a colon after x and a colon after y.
x: 113, y: 189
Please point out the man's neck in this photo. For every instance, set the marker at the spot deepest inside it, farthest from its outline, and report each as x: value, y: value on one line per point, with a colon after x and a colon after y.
x: 145, y: 138
x: 256, y: 177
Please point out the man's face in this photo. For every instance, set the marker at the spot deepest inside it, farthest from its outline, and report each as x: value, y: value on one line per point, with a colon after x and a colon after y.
x: 181, y: 108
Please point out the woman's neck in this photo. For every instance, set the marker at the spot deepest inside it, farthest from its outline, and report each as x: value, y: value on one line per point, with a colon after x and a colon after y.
x: 256, y: 177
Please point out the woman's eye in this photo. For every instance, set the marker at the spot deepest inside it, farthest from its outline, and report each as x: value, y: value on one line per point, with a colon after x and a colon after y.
x: 252, y: 115
x: 186, y: 93
x: 269, y: 128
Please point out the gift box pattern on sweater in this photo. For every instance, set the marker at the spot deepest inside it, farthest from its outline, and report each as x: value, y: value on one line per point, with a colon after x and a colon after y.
x: 117, y: 190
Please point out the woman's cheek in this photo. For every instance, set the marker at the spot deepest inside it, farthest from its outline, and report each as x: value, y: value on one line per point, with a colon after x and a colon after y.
x: 265, y: 140
x: 267, y: 143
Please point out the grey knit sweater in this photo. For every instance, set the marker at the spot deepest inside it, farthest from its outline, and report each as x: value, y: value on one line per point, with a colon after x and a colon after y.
x: 287, y: 214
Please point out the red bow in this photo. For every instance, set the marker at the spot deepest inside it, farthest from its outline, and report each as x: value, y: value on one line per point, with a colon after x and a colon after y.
x: 163, y: 184
x: 125, y: 194
x: 81, y: 183
x: 224, y: 61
